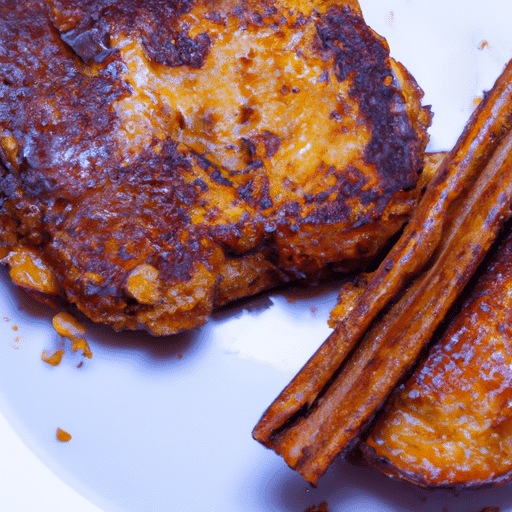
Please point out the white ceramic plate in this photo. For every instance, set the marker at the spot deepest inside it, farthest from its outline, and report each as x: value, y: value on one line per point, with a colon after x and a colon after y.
x: 165, y: 424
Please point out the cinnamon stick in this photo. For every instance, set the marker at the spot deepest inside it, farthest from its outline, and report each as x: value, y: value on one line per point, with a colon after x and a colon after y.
x: 462, y: 210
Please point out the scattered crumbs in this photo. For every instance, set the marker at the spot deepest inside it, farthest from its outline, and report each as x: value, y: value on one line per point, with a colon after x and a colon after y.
x: 314, y: 310
x: 80, y: 364
x: 52, y: 359
x: 63, y: 436
x: 291, y: 300
x: 483, y: 45
x: 318, y: 508
x: 69, y: 327
x: 17, y: 339
x: 180, y: 356
x: 490, y: 509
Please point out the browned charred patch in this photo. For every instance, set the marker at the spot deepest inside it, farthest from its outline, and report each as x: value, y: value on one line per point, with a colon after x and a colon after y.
x: 271, y: 142
x: 358, y: 52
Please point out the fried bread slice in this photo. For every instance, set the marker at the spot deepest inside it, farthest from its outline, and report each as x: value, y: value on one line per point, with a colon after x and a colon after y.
x: 162, y: 158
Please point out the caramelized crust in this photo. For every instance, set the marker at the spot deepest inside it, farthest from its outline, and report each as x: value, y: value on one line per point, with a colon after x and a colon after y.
x: 451, y: 424
x: 152, y: 152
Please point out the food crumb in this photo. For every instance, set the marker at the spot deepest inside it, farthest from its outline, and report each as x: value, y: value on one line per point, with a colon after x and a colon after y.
x: 14, y: 327
x: 388, y: 80
x: 180, y: 356
x: 52, y: 359
x: 314, y: 310
x: 81, y: 344
x: 69, y: 327
x: 483, y: 45
x: 63, y: 436
x: 16, y: 345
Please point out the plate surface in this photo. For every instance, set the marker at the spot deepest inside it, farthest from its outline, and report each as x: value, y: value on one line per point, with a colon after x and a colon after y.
x: 165, y: 424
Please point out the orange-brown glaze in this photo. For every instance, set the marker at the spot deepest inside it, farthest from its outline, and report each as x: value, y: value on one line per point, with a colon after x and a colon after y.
x: 451, y: 424
x: 149, y: 150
